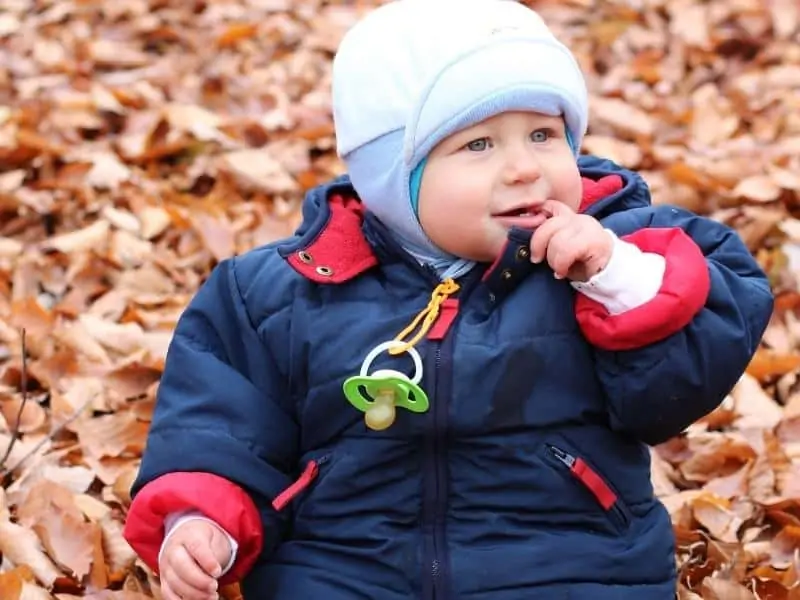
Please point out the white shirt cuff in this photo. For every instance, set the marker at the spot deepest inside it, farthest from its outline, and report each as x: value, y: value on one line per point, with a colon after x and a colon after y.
x: 631, y: 278
x: 175, y: 520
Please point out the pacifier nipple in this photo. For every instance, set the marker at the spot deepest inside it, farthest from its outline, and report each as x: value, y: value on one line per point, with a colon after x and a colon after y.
x: 381, y: 414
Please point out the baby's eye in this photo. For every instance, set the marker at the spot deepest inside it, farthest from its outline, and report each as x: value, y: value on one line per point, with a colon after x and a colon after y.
x: 478, y: 145
x: 541, y: 135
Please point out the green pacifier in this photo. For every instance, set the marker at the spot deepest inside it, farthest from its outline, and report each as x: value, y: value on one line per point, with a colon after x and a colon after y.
x: 378, y: 394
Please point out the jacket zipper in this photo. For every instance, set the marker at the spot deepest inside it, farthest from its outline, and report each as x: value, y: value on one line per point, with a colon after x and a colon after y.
x: 434, y: 506
x: 306, y: 478
x: 605, y: 496
x: 436, y: 561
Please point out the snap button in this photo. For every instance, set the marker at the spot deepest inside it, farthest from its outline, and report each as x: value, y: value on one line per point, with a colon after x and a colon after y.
x: 305, y: 257
x: 523, y: 253
x: 492, y: 297
x: 506, y: 274
x: 325, y: 271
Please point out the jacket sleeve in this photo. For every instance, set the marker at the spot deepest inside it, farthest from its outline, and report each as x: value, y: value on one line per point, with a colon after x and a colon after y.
x: 222, y: 438
x: 672, y: 360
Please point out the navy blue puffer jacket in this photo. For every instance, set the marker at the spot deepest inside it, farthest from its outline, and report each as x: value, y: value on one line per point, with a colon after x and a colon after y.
x: 528, y: 477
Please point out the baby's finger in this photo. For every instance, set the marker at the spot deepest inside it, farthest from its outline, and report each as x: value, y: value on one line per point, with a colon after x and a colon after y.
x: 200, y: 550
x: 174, y: 588
x: 556, y: 209
x: 540, y: 239
x: 563, y: 252
x: 190, y: 573
x: 166, y: 591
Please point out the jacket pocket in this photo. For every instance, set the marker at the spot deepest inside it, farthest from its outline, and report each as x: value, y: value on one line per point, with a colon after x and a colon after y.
x: 308, y: 476
x: 595, y: 484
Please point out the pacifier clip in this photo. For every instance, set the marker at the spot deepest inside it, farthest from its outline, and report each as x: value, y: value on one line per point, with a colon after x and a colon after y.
x: 378, y: 394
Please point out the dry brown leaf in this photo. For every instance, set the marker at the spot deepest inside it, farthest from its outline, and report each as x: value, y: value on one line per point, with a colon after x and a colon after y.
x: 121, y: 219
x: 22, y: 547
x: 715, y: 515
x: 12, y: 180
x: 715, y: 456
x: 154, y: 221
x: 662, y: 475
x: 93, y: 237
x: 94, y: 510
x: 723, y: 589
x: 32, y: 417
x: 13, y: 581
x: 107, y: 172
x: 10, y: 248
x: 119, y: 554
x: 124, y: 338
x: 116, y: 54
x: 767, y: 364
x: 68, y: 539
x: 731, y: 486
x: 236, y: 32
x: 128, y: 250
x: 260, y: 170
x: 217, y: 235
x: 132, y: 380
x: 755, y: 407
x: 626, y: 154
x: 112, y: 435
x: 623, y: 116
x: 761, y: 188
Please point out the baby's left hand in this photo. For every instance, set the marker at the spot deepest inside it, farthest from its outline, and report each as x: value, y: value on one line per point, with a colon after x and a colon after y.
x: 576, y: 246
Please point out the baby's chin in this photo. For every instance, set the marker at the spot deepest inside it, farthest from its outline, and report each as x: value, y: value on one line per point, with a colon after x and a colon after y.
x: 491, y: 250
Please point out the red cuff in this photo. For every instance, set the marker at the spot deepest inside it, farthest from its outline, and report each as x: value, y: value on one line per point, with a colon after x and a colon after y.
x: 218, y: 499
x: 682, y: 295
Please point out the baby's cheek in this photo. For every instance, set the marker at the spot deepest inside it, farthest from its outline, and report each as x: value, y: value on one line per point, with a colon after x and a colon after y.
x: 571, y: 190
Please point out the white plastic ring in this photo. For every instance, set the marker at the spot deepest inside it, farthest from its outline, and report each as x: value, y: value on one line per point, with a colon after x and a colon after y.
x: 387, y: 346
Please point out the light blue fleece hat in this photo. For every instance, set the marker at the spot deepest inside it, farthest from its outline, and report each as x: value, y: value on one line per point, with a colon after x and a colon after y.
x: 413, y: 72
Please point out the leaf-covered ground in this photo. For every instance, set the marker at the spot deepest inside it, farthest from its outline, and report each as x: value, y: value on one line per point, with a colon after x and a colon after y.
x: 143, y: 140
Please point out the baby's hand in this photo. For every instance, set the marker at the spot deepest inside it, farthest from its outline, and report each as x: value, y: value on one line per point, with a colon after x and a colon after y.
x: 192, y: 560
x: 576, y: 246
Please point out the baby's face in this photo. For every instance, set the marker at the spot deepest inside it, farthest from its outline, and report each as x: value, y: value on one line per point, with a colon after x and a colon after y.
x: 483, y: 180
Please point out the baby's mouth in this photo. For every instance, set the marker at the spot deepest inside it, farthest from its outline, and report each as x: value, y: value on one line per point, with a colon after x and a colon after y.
x: 521, y: 211
x: 525, y: 217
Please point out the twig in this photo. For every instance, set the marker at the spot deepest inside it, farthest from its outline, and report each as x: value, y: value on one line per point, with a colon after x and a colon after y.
x: 43, y: 441
x: 24, y: 384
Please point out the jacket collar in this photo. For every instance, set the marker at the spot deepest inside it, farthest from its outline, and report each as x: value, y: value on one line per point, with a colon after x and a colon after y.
x: 337, y: 241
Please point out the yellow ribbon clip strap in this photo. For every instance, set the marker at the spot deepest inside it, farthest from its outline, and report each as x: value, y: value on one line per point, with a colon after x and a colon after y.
x: 427, y: 316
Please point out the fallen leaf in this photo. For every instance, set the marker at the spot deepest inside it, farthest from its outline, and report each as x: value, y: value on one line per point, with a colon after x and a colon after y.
x: 107, y: 172
x: 112, y: 435
x: 154, y: 221
x: 623, y: 116
x: 714, y: 514
x: 722, y: 589
x: 10, y: 248
x: 236, y: 32
x: 92, y: 237
x: 22, y: 547
x: 767, y: 364
x: 260, y: 170
x: 626, y: 154
x: 755, y: 407
x: 761, y: 188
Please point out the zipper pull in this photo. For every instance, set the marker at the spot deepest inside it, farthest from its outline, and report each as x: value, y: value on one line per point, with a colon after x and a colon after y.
x: 308, y: 475
x: 564, y: 457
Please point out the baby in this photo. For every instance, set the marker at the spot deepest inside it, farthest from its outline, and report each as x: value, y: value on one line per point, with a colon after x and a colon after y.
x: 443, y: 385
